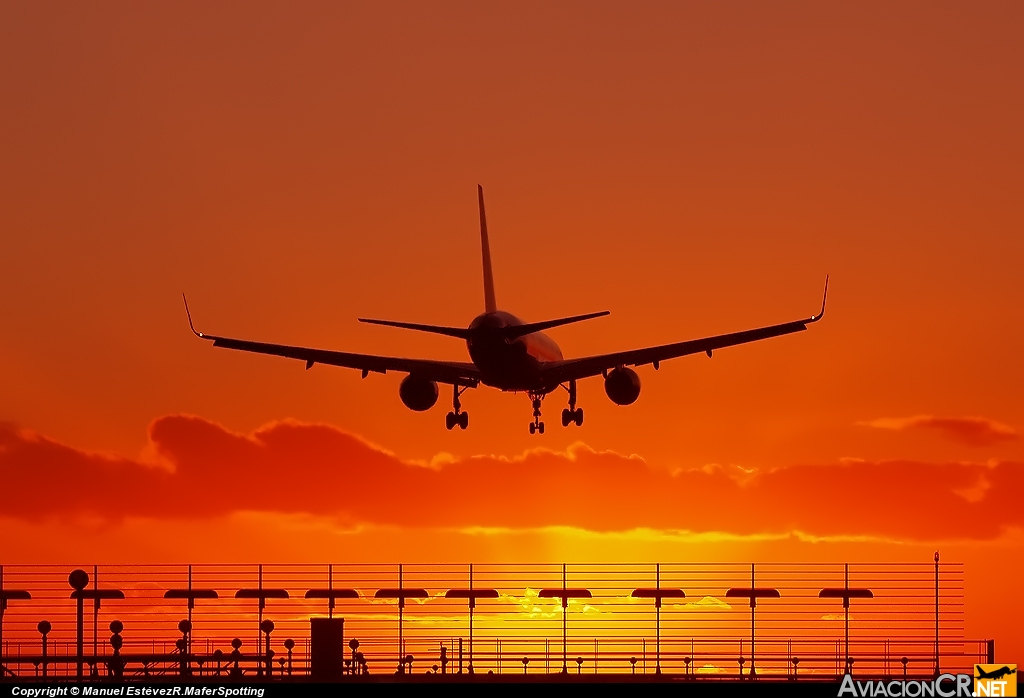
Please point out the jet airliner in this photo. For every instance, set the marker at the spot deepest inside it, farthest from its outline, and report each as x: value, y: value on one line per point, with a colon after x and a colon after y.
x: 510, y: 355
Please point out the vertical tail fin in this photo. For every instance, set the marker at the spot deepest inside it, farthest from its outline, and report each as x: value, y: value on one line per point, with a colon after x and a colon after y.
x: 489, y: 305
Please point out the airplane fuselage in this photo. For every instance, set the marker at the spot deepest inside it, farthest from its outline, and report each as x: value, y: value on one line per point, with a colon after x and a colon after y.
x: 510, y: 364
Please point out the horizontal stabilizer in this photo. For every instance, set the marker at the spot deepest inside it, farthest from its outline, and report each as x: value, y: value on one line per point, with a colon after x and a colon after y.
x: 511, y: 332
x: 530, y: 328
x: 459, y: 332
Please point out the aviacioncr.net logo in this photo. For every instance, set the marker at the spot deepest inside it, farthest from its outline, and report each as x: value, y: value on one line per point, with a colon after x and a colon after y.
x: 946, y: 686
x: 995, y: 680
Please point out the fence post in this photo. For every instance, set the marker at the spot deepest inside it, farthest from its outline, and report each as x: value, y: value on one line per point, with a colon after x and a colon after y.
x: 936, y: 612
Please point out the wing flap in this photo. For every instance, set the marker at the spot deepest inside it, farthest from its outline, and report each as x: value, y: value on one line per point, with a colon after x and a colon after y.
x: 574, y: 369
x: 571, y: 369
x: 453, y: 372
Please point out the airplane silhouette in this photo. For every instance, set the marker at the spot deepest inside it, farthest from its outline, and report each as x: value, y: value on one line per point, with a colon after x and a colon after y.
x: 996, y: 674
x: 511, y: 355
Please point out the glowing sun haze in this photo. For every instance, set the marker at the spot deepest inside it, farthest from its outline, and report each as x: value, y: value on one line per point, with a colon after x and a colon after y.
x: 694, y: 169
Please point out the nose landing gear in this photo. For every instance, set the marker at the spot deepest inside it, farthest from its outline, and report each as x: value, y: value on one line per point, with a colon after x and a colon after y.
x: 572, y: 415
x: 456, y: 416
x: 537, y: 427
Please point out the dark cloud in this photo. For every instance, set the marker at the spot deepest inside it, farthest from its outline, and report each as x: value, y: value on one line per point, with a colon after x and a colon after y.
x: 288, y: 467
x: 973, y: 431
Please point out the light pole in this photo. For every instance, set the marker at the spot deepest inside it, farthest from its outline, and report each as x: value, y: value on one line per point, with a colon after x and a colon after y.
x: 846, y: 593
x: 267, y: 627
x: 401, y: 594
x: 330, y: 593
x: 565, y: 594
x: 44, y: 629
x: 116, y: 664
x: 79, y: 580
x: 289, y: 645
x: 657, y: 593
x: 185, y: 628
x: 753, y: 593
x: 261, y: 594
x: 472, y: 595
x: 190, y: 595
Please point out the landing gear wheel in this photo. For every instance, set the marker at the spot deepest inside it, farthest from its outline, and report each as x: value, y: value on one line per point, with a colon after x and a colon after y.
x: 456, y: 416
x: 572, y: 415
x: 538, y: 426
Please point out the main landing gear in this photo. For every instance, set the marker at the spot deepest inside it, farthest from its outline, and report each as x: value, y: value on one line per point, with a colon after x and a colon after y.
x: 572, y: 415
x: 456, y: 416
x: 537, y: 427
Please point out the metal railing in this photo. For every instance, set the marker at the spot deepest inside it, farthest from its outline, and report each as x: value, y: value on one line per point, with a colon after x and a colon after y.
x: 696, y: 620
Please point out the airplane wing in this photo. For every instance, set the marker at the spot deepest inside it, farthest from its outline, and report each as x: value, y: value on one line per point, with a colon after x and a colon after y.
x: 453, y: 372
x: 574, y: 369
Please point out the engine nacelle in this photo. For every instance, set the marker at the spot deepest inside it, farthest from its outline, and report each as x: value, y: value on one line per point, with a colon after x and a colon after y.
x: 417, y: 393
x: 622, y: 386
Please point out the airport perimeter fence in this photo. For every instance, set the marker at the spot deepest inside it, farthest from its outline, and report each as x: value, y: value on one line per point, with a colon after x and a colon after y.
x: 698, y: 620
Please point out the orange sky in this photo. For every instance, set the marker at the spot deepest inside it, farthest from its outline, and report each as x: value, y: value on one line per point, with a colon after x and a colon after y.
x: 692, y: 169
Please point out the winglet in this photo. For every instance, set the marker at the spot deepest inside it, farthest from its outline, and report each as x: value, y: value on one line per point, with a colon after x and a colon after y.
x: 191, y: 326
x: 824, y: 297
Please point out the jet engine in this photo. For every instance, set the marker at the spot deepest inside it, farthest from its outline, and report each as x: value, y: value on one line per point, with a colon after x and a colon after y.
x: 418, y: 393
x: 622, y: 386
